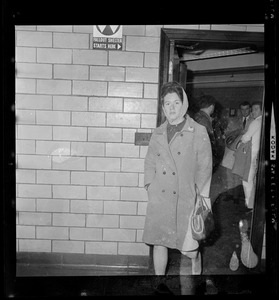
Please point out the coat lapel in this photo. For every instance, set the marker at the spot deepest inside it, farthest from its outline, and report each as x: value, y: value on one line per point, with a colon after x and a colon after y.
x: 162, y: 136
x: 162, y: 139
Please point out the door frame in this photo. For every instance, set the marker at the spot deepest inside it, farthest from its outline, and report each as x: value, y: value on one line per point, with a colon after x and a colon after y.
x: 167, y: 60
x: 170, y: 36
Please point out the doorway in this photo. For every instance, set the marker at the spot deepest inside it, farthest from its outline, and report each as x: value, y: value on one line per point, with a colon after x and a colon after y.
x: 229, y: 66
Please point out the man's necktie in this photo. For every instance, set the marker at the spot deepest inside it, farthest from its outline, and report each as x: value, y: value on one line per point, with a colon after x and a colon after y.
x: 244, y: 123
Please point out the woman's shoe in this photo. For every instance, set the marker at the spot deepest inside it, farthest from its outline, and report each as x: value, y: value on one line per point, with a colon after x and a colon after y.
x: 160, y: 286
x: 247, y: 255
x: 210, y: 287
x: 234, y: 262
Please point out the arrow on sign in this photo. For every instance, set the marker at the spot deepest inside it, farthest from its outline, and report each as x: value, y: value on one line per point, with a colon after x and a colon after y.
x: 119, y: 46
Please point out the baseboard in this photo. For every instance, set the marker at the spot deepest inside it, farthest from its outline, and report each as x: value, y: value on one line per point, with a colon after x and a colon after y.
x: 70, y: 259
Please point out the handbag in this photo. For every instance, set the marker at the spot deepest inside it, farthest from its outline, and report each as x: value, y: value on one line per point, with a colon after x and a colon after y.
x: 233, y: 138
x: 202, y: 221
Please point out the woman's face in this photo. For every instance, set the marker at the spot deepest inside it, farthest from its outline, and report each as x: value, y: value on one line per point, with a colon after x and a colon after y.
x: 172, y: 106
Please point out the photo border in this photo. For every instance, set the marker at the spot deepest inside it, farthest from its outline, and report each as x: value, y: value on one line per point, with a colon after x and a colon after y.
x: 15, y: 14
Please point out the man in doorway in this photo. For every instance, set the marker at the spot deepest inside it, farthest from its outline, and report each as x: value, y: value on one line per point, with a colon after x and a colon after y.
x: 206, y: 105
x: 252, y: 135
x: 247, y: 117
x: 236, y: 128
x: 242, y: 121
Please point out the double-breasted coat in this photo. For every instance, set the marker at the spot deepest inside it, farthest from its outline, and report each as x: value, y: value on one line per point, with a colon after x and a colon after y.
x: 172, y: 170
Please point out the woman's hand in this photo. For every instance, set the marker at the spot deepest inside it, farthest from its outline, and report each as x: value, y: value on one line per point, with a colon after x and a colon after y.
x: 238, y: 143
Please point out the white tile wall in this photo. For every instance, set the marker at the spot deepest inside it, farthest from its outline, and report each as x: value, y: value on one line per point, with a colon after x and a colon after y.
x: 80, y: 176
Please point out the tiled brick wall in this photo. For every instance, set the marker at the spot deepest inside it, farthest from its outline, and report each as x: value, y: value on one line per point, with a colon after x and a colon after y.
x: 79, y: 174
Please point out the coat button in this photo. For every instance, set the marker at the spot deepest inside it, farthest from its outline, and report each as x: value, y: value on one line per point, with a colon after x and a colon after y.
x: 174, y: 192
x: 181, y: 134
x: 164, y: 172
x: 163, y: 191
x: 178, y: 152
x: 173, y: 173
x: 158, y: 154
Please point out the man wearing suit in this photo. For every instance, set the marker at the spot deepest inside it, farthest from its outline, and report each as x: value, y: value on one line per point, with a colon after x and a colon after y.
x: 252, y: 135
x: 235, y: 129
x: 242, y: 121
x: 247, y: 117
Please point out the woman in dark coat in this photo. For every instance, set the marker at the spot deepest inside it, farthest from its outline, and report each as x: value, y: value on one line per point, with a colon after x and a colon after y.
x: 178, y: 157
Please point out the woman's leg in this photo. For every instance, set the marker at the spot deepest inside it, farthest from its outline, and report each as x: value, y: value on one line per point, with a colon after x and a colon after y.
x: 160, y: 259
x: 196, y: 261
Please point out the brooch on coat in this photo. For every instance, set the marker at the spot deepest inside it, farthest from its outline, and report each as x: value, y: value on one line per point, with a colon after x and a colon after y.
x: 190, y: 128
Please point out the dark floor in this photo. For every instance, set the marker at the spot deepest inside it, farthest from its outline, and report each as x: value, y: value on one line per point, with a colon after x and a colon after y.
x: 217, y: 251
x: 228, y: 208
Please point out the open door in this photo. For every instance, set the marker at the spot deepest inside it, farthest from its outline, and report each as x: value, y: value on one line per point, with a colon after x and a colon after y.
x: 214, y: 61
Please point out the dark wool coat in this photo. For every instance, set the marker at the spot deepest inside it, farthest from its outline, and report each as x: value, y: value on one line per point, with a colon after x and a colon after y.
x: 216, y: 143
x: 172, y: 171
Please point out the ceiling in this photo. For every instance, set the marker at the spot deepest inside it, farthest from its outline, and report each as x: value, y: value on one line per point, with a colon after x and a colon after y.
x: 222, y: 64
x: 232, y: 43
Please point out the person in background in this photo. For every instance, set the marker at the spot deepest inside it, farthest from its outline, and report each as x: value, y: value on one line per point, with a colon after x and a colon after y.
x: 219, y: 124
x: 178, y: 157
x: 237, y: 126
x: 206, y: 104
x: 204, y: 117
x: 246, y: 116
x: 252, y: 135
x: 242, y: 121
x: 245, y: 166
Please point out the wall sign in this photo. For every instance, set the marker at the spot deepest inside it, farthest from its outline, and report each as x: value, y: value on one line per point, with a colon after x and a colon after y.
x: 107, y: 37
x: 142, y: 138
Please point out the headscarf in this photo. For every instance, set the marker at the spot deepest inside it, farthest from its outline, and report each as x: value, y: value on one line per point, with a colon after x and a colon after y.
x: 183, y: 109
